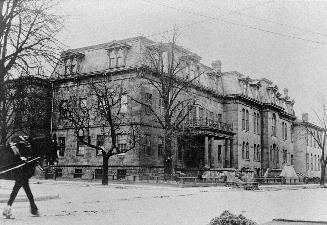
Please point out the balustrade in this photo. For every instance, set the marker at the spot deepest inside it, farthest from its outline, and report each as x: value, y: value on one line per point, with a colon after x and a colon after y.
x: 209, y: 124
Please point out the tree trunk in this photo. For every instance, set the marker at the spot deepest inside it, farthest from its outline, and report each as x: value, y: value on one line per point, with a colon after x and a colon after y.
x: 323, y: 173
x: 105, y: 158
x: 168, y: 157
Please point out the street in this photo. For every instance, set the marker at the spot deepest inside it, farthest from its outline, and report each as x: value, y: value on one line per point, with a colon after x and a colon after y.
x: 66, y: 202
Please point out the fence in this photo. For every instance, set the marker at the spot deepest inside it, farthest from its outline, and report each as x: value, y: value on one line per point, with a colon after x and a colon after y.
x: 281, y: 180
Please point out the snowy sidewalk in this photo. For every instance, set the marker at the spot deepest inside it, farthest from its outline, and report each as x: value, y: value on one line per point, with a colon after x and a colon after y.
x: 91, y: 203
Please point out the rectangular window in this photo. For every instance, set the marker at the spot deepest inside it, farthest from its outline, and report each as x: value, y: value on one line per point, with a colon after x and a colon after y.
x: 61, y: 145
x: 210, y: 117
x: 122, y: 142
x: 98, y: 173
x: 220, y: 118
x: 147, y: 145
x: 161, y: 105
x: 160, y: 146
x: 78, y: 173
x: 123, y: 104
x: 100, y: 143
x: 112, y: 59
x: 121, y: 174
x: 119, y: 58
x: 219, y: 153
x: 148, y: 102
x: 63, y: 109
x: 307, y: 161
x: 58, y: 172
x: 255, y: 152
x: 81, y: 146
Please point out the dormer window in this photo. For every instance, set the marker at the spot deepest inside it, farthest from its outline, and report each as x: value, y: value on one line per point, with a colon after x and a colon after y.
x: 71, y: 62
x: 256, y: 92
x: 245, y: 89
x: 273, y: 97
x: 116, y: 58
x: 70, y: 66
x: 117, y: 55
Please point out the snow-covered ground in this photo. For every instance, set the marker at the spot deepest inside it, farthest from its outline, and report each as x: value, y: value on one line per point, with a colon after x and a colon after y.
x: 137, y: 204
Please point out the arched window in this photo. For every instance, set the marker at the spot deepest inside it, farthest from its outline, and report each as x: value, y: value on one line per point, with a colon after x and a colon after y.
x: 258, y: 152
x: 273, y: 124
x: 258, y: 123
x: 311, y: 161
x: 254, y: 122
x: 243, y: 119
x: 243, y: 150
x: 247, y: 120
x: 277, y: 156
x: 271, y: 156
x: 247, y: 151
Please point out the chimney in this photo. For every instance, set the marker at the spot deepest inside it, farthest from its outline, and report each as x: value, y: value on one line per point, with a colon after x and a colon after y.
x: 285, y: 92
x: 305, y: 117
x: 216, y: 65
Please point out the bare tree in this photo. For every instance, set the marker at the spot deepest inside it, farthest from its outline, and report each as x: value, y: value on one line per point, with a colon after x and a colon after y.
x: 173, y: 73
x: 27, y: 42
x: 27, y: 106
x: 106, y: 107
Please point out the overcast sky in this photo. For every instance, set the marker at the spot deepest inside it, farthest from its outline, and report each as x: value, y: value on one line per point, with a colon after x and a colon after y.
x: 284, y: 41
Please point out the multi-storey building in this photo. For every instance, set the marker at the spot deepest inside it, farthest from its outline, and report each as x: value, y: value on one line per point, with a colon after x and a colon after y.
x: 236, y: 122
x: 262, y: 118
x: 307, y: 152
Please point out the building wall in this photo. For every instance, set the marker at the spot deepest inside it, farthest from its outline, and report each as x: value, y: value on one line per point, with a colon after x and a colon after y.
x: 307, y: 154
x: 215, y: 92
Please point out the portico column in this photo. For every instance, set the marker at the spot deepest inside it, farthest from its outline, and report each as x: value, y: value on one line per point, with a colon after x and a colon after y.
x: 226, y: 158
x: 206, y: 151
x: 231, y: 153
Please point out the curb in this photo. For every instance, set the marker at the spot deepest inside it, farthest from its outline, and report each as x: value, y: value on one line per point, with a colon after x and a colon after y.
x: 41, y: 198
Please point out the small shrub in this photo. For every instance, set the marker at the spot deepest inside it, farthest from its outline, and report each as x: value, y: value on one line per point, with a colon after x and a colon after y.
x: 227, y: 218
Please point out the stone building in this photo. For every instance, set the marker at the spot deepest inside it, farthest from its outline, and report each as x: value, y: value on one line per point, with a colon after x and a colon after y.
x: 307, y: 151
x: 262, y: 118
x: 235, y: 122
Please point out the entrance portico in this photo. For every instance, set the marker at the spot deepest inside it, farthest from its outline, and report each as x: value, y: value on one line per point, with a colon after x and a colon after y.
x: 208, y: 146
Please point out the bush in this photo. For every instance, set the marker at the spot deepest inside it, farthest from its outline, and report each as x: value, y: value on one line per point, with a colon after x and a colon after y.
x: 227, y: 218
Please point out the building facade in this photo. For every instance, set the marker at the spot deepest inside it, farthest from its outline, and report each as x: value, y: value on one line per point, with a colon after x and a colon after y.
x: 307, y: 138
x: 235, y: 122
